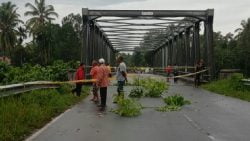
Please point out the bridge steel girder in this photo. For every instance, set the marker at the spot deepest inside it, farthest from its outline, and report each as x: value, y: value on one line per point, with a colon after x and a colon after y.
x: 95, y: 43
x: 209, y: 49
x: 197, y: 41
x: 187, y: 47
x: 147, y: 13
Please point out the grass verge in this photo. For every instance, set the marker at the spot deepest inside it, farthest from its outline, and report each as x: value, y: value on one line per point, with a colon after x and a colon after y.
x: 229, y: 87
x: 20, y: 115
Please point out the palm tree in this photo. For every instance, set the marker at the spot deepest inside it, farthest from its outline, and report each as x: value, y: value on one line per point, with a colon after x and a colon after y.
x: 21, y: 34
x: 9, y: 20
x: 42, y: 15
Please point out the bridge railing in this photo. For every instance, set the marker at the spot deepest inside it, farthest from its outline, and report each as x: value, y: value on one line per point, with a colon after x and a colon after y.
x: 246, y: 82
x: 14, y: 89
x: 183, y: 71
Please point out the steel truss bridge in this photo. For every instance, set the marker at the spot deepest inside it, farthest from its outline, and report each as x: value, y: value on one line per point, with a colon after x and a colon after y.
x: 173, y: 36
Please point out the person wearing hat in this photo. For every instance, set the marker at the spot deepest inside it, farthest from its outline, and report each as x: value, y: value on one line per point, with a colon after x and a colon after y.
x: 103, y: 82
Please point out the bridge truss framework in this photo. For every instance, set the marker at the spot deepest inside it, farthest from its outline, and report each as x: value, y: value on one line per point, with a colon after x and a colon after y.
x: 107, y: 32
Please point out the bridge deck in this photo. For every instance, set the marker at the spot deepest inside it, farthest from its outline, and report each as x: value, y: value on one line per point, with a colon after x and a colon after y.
x: 209, y: 117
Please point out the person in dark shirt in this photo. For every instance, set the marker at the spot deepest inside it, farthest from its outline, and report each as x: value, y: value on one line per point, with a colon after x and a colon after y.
x: 176, y: 73
x: 198, y: 68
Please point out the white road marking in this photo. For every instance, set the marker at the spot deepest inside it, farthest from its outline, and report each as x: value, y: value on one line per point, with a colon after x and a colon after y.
x: 36, y: 134
x: 211, y: 137
x: 199, y: 128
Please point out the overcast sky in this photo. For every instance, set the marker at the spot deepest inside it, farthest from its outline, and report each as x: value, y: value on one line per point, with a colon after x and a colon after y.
x: 228, y: 13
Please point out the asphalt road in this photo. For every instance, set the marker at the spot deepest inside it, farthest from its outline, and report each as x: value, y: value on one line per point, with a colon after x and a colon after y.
x: 210, y: 117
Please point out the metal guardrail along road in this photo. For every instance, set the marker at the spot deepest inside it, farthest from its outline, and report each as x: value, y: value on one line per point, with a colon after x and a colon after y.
x: 14, y: 89
x: 246, y: 82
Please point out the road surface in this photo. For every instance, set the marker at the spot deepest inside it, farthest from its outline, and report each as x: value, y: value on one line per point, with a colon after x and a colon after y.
x: 210, y: 117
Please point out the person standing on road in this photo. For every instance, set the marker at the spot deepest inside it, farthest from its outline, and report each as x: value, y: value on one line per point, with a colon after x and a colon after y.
x: 202, y: 64
x: 176, y: 73
x: 168, y: 70
x: 80, y: 75
x: 202, y: 67
x: 198, y: 68
x: 121, y: 75
x: 94, y: 73
x: 103, y: 82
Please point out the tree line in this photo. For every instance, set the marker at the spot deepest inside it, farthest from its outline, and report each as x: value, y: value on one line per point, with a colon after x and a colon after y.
x: 232, y: 51
x: 63, y: 42
x: 49, y: 41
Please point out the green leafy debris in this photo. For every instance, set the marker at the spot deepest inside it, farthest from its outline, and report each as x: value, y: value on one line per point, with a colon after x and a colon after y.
x: 127, y: 107
x: 136, y: 92
x: 176, y: 100
x: 173, y: 103
x: 153, y: 87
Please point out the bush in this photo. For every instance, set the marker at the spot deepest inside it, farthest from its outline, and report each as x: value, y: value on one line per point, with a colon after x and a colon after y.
x: 4, y: 69
x: 235, y: 81
x: 56, y: 72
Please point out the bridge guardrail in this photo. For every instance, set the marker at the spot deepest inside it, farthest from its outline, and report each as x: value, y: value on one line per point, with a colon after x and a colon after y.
x: 246, y: 82
x: 14, y: 89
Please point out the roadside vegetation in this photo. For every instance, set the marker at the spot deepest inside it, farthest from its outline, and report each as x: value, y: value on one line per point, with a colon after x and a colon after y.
x: 57, y: 71
x: 20, y: 115
x: 232, y: 87
x: 38, y: 60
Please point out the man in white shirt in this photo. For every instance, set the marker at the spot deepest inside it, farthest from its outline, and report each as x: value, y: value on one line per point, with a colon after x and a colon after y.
x: 121, y: 75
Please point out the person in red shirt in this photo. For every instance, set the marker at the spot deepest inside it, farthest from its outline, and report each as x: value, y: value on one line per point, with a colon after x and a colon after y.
x: 80, y: 75
x: 168, y: 70
x: 94, y: 73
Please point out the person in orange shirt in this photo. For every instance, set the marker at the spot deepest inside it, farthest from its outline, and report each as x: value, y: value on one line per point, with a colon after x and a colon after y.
x: 94, y: 73
x: 103, y: 82
x: 108, y: 66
